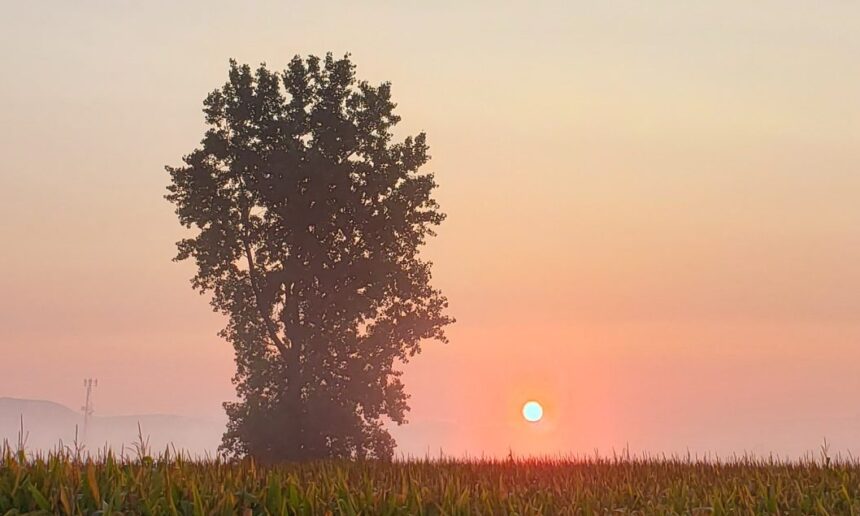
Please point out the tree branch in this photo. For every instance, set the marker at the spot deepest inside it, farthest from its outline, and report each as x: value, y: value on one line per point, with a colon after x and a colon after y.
x: 255, y: 286
x: 270, y: 326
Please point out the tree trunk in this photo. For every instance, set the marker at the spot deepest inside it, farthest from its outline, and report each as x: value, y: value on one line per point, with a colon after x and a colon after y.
x: 294, y: 400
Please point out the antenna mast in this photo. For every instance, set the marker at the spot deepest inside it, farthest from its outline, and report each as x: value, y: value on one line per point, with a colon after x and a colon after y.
x: 89, y: 383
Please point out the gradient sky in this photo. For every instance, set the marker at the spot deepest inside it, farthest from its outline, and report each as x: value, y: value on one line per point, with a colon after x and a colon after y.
x: 654, y: 211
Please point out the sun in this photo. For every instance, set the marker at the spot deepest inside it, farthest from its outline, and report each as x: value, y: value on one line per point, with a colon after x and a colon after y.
x: 532, y: 411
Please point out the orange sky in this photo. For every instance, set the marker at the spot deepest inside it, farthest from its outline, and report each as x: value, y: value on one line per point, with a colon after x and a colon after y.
x: 653, y: 211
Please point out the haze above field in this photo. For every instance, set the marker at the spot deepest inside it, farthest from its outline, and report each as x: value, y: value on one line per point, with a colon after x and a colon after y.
x: 47, y: 425
x: 653, y: 211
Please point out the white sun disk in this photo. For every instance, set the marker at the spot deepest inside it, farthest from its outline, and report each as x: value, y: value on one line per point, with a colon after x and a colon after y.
x: 532, y: 411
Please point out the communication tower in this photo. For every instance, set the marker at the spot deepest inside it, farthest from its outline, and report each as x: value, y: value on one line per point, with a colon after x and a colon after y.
x: 87, y: 409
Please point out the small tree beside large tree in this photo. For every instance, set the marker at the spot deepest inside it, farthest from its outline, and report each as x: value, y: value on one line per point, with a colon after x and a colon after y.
x: 308, y: 219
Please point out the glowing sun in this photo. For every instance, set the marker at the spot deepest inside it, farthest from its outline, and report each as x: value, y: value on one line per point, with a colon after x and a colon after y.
x: 532, y: 411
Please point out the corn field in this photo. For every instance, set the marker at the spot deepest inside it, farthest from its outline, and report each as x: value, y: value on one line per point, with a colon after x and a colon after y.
x: 64, y: 482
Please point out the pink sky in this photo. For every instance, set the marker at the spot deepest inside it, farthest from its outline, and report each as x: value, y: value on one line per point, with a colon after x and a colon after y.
x: 653, y: 212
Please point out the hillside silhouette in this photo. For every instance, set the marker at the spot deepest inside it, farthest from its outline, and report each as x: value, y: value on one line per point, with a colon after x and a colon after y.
x: 47, y: 423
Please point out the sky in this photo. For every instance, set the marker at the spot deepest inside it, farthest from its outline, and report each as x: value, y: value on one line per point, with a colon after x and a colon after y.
x: 653, y: 219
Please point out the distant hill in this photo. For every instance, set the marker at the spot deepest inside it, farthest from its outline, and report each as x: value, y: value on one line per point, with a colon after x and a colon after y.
x: 47, y: 424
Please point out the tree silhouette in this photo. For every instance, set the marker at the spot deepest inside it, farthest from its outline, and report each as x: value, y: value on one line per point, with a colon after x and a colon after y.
x: 308, y: 221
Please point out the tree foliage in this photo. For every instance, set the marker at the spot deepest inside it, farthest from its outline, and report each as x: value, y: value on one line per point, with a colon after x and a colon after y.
x: 308, y: 218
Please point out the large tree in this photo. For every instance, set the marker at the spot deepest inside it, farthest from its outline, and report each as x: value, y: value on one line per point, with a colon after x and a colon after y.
x: 308, y: 218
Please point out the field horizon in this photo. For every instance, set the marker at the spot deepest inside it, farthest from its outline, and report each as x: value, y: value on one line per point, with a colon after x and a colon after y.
x: 66, y: 482
x: 197, y: 438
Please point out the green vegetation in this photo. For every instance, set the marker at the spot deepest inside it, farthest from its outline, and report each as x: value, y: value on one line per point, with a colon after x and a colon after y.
x: 60, y: 483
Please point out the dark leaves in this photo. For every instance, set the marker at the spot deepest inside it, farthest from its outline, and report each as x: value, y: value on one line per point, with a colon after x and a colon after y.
x: 309, y: 221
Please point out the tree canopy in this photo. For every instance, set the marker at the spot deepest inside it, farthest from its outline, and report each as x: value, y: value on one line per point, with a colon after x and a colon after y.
x: 308, y: 218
